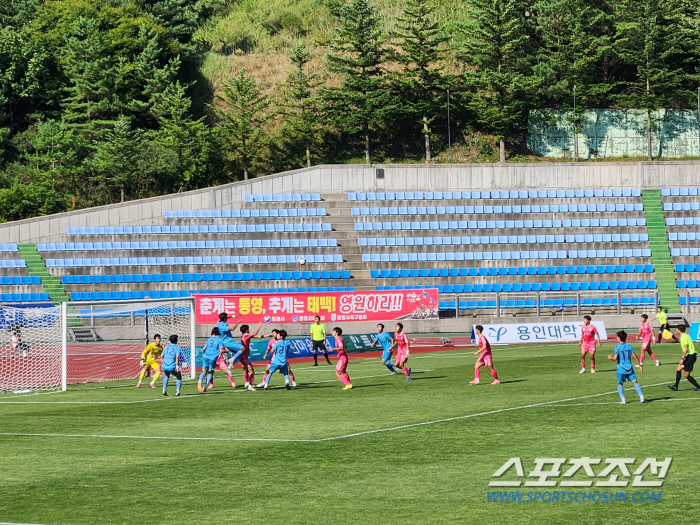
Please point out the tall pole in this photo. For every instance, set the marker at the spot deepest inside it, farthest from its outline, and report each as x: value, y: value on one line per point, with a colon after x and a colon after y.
x: 699, y: 121
x: 575, y: 134
x: 449, y: 137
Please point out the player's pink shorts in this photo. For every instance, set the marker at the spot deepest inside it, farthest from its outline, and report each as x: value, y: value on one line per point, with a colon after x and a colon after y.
x: 342, y: 364
x: 646, y: 344
x: 588, y: 347
x: 402, y: 356
x: 245, y: 360
x: 220, y: 363
x: 486, y: 360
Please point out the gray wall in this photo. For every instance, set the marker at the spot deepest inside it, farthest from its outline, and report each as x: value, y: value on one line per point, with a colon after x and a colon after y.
x: 345, y: 178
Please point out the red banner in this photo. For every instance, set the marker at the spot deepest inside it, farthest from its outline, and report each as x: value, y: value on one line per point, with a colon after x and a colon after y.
x: 331, y: 306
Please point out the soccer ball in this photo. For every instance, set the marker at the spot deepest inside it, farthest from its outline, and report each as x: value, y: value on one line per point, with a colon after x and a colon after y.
x: 302, y: 261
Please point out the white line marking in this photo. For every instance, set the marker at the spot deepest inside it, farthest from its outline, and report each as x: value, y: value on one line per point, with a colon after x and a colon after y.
x: 555, y: 402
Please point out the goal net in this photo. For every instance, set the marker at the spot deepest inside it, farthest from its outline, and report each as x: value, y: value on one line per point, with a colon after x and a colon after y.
x: 104, y: 339
x: 85, y: 342
x: 30, y: 349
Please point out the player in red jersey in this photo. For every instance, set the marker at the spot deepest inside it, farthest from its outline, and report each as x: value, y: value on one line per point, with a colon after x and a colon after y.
x: 589, y: 337
x: 342, y: 365
x: 271, y: 352
x: 403, y: 350
x: 646, y: 334
x: 244, y: 359
x: 485, y: 357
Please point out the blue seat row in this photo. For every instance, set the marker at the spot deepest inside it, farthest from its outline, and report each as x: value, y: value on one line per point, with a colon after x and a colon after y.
x: 543, y: 287
x: 687, y: 267
x: 177, y: 261
x: 685, y: 252
x: 495, y: 194
x: 202, y: 228
x: 186, y: 245
x: 13, y: 263
x: 227, y: 214
x: 119, y: 278
x: 667, y: 192
x: 4, y: 247
x: 681, y: 206
x: 171, y: 294
x: 684, y: 236
x: 17, y: 280
x: 519, y: 270
x: 23, y: 297
x: 549, y: 303
x: 682, y: 221
x: 480, y: 225
x: 505, y: 255
x: 503, y: 239
x: 282, y: 197
x: 691, y: 283
x: 498, y: 210
x: 693, y: 300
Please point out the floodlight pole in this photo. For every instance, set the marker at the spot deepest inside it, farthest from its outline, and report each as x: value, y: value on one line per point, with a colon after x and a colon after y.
x: 575, y: 134
x: 449, y: 137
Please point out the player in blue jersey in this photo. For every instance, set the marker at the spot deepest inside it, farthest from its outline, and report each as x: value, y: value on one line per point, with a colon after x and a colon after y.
x: 384, y: 339
x: 172, y: 357
x: 212, y: 349
x: 625, y: 372
x: 279, y: 361
x: 233, y: 346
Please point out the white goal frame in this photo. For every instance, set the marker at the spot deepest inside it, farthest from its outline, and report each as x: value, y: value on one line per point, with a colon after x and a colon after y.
x: 179, y: 301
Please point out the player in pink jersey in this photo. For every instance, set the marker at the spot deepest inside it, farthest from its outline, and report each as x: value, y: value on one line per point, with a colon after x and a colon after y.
x: 485, y: 357
x: 342, y: 365
x: 244, y: 359
x: 646, y: 333
x: 224, y: 364
x: 271, y: 352
x: 403, y: 350
x: 589, y: 337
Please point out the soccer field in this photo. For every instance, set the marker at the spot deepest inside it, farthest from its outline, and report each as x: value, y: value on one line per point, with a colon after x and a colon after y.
x: 386, y: 451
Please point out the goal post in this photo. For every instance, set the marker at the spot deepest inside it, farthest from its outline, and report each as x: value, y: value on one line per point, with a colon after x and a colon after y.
x: 50, y: 348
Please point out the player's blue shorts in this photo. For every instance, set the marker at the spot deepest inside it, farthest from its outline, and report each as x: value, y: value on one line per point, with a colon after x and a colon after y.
x: 621, y: 377
x: 284, y: 369
x: 208, y: 364
x: 169, y: 372
x: 232, y: 345
x: 386, y: 355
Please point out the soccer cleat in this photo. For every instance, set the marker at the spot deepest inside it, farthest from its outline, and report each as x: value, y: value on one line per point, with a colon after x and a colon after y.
x: 234, y: 385
x: 152, y: 385
x: 583, y: 370
x: 261, y: 384
x: 696, y: 390
x: 393, y: 373
x: 496, y: 382
x: 623, y: 402
x: 251, y: 388
x: 592, y: 370
x: 475, y: 382
x: 294, y: 384
x: 657, y: 362
x: 639, y: 366
x: 247, y: 384
x: 315, y: 364
x: 138, y: 385
x: 347, y: 387
x: 199, y: 386
x: 642, y: 400
x: 287, y: 386
x: 177, y: 393
x: 265, y: 388
x: 408, y: 378
x: 165, y: 393
x: 673, y: 387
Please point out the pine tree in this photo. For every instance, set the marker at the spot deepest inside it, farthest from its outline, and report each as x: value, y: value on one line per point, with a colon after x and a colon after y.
x: 300, y: 106
x: 363, y: 103
x: 498, y: 45
x: 657, y: 38
x: 422, y: 82
x: 242, y: 119
x: 88, y: 107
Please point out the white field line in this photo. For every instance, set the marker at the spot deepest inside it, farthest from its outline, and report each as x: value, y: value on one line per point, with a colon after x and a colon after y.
x: 554, y: 402
x: 171, y: 396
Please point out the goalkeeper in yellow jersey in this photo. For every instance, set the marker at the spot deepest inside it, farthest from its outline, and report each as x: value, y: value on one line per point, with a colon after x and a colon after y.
x: 150, y: 358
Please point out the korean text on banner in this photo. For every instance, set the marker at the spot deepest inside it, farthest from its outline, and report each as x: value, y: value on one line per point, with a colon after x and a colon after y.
x: 539, y: 332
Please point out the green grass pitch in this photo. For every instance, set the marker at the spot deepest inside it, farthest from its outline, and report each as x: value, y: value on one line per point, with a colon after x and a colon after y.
x: 387, y: 451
